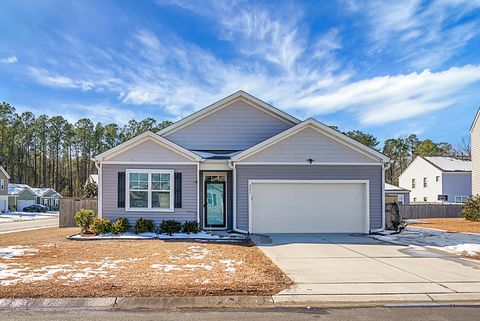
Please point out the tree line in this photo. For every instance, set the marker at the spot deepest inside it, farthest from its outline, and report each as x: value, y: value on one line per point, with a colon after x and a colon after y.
x: 44, y: 151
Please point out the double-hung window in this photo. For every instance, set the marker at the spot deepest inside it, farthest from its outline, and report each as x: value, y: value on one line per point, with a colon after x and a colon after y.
x: 149, y: 190
x: 2, y: 184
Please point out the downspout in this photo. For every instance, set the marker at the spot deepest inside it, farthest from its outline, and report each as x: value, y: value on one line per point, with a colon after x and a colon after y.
x: 98, y: 165
x: 232, y: 165
x: 385, y: 167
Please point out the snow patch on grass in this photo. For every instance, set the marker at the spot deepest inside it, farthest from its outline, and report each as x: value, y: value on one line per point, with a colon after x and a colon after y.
x: 13, y: 273
x: 230, y: 265
x: 11, y: 252
x: 459, y: 243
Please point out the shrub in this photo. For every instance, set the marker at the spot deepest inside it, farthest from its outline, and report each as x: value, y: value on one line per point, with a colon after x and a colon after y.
x: 190, y: 227
x: 143, y: 226
x: 84, y: 218
x: 120, y: 226
x: 471, y: 210
x: 101, y: 226
x: 170, y: 226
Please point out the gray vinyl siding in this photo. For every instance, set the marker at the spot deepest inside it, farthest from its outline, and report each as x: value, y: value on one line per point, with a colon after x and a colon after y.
x: 309, y: 143
x: 5, y: 179
x: 456, y: 184
x: 149, y: 151
x: 314, y: 172
x: 235, y: 127
x: 229, y: 199
x: 188, y: 212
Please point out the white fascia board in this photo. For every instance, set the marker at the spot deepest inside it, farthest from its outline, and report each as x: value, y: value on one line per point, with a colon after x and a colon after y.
x: 4, y: 172
x: 324, y: 129
x: 142, y: 138
x: 475, y: 120
x: 223, y: 103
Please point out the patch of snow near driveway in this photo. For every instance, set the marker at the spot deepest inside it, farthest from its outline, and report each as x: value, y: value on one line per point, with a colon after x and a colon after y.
x: 459, y: 243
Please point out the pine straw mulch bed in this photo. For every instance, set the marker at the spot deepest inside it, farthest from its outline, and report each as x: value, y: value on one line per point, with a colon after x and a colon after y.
x: 459, y: 225
x: 52, y: 266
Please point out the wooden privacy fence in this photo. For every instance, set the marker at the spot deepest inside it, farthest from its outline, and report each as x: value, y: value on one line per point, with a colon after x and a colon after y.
x: 430, y: 211
x: 71, y: 205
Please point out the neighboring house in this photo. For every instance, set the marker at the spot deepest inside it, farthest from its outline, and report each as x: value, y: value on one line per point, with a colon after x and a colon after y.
x: 48, y: 197
x: 475, y: 146
x: 438, y: 179
x: 4, y: 178
x: 92, y: 178
x: 22, y: 195
x: 242, y: 164
x: 397, y: 194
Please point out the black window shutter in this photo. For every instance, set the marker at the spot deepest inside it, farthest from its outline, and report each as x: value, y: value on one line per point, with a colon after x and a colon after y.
x: 178, y: 190
x: 121, y: 190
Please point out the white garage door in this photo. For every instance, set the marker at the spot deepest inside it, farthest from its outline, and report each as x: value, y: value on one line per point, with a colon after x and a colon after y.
x: 23, y: 203
x: 308, y: 207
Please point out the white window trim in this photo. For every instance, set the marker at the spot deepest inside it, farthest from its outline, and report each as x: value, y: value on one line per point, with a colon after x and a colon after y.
x: 2, y: 184
x: 149, y: 191
x: 401, y: 198
x: 460, y: 196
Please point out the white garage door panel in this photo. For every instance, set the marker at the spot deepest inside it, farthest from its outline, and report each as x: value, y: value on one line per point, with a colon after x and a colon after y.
x: 24, y: 203
x: 308, y: 208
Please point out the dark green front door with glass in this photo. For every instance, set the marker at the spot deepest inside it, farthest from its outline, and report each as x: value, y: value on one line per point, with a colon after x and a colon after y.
x: 215, y: 205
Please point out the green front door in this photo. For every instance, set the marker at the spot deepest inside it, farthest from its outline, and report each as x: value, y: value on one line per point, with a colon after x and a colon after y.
x: 214, y: 204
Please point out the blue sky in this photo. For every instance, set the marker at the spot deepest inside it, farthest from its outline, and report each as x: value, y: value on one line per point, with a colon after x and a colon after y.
x: 388, y: 68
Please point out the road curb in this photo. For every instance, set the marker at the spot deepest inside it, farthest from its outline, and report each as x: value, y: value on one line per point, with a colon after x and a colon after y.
x: 216, y: 302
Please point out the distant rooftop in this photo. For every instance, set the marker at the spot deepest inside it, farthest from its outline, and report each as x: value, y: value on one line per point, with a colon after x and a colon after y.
x: 393, y: 188
x: 450, y: 164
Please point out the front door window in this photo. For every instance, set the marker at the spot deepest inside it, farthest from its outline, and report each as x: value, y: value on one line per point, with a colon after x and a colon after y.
x: 214, y: 204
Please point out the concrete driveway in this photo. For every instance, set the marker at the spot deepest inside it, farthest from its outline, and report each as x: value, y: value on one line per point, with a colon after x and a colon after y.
x: 341, y: 266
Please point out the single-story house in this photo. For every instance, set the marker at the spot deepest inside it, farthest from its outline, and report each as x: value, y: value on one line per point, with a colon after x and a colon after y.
x: 438, y: 180
x: 397, y: 194
x: 4, y: 178
x: 22, y: 195
x: 475, y: 146
x: 241, y: 164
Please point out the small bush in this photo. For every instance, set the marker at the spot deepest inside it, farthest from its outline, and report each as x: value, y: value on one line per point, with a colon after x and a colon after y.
x: 190, y: 227
x: 471, y: 210
x: 170, y: 226
x: 120, y: 226
x: 143, y: 226
x: 101, y: 226
x: 84, y: 219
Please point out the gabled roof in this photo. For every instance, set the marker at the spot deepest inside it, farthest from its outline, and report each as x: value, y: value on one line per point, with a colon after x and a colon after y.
x: 239, y: 95
x: 4, y: 172
x: 326, y: 130
x: 148, y: 135
x: 475, y: 120
x: 393, y: 188
x: 17, y: 189
x: 449, y: 164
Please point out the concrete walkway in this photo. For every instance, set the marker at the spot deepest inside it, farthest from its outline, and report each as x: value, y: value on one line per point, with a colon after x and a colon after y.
x: 340, y: 267
x: 9, y: 227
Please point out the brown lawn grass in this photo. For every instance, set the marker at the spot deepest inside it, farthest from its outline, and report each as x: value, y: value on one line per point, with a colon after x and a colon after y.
x: 187, y: 268
x: 450, y: 224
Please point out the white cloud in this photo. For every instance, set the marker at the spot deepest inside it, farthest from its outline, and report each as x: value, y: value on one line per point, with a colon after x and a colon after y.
x: 47, y: 78
x: 420, y: 33
x: 385, y: 99
x: 9, y: 60
x: 148, y: 39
